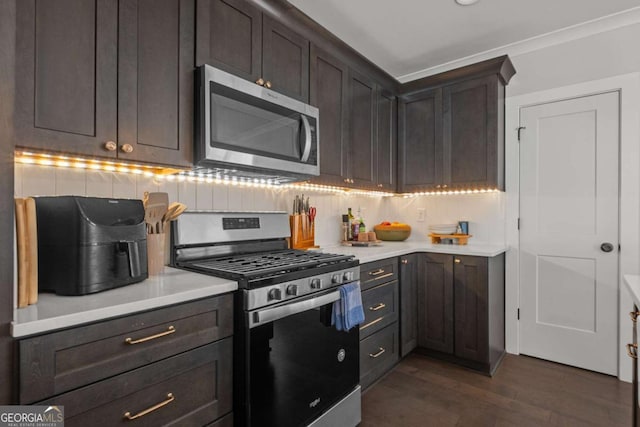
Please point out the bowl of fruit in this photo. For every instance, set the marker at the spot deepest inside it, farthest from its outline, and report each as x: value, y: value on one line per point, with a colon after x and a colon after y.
x: 392, y: 231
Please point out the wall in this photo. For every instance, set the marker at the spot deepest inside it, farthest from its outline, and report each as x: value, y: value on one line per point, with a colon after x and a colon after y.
x: 485, y: 212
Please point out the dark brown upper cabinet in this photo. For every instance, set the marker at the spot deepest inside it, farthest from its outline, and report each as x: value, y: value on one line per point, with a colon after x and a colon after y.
x: 237, y: 37
x: 66, y: 87
x: 155, y: 81
x: 329, y: 92
x: 386, y: 141
x: 451, y: 132
x: 420, y: 151
x: 105, y: 78
x: 362, y: 130
x: 473, y: 133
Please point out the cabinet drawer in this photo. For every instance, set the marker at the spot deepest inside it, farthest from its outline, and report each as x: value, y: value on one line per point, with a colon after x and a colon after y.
x: 380, y: 306
x: 378, y: 272
x: 61, y: 361
x: 378, y: 353
x: 195, y: 386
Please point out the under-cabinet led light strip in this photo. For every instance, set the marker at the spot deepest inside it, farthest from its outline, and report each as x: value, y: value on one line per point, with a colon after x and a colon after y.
x: 168, y: 174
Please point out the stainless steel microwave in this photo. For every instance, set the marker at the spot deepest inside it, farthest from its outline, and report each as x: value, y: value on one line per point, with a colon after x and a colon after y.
x: 244, y: 127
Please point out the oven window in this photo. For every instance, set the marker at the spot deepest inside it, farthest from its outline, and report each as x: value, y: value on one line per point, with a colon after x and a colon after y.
x: 300, y: 366
x: 248, y: 124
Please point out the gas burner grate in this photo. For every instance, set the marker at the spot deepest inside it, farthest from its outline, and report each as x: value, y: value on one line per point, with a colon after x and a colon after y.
x: 252, y: 265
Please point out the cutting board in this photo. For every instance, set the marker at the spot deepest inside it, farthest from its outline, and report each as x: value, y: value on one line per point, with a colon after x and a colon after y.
x: 32, y: 250
x: 21, y: 237
x: 27, y: 239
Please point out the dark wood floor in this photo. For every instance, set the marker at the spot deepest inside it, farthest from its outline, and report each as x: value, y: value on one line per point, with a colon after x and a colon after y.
x: 524, y: 392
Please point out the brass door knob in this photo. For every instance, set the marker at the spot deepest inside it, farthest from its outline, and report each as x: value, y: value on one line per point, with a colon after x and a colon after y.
x: 110, y: 146
x: 260, y: 81
x: 457, y: 261
x: 267, y: 84
x: 127, y: 148
x: 405, y: 261
x: 380, y: 185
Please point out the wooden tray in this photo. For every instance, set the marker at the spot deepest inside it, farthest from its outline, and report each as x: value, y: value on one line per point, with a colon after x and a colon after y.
x: 362, y: 244
x: 462, y: 238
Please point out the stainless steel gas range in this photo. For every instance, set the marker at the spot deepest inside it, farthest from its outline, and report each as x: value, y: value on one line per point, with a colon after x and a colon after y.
x: 291, y: 366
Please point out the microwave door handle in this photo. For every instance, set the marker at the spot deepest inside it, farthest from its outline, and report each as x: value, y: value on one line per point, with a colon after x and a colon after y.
x: 271, y: 314
x: 307, y: 138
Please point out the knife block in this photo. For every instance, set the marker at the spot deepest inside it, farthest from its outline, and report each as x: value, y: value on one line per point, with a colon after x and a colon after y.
x: 302, y: 232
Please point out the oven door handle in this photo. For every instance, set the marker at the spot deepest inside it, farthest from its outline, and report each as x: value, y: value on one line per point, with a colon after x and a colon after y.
x: 267, y: 315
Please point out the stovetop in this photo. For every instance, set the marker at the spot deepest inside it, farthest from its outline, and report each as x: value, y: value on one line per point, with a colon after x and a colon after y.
x: 251, y: 266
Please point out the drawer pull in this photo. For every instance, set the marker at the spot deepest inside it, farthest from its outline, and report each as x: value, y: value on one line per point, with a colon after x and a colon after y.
x: 170, y: 330
x: 378, y: 354
x: 170, y: 398
x: 634, y: 316
x: 377, y: 272
x: 378, y: 307
x: 632, y: 350
x: 379, y: 319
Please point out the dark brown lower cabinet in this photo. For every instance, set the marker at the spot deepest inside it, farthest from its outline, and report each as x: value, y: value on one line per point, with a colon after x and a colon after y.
x: 461, y: 310
x: 177, y: 360
x: 409, y: 281
x: 379, y: 333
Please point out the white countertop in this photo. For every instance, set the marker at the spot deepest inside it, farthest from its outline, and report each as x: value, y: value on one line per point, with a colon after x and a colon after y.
x: 173, y: 286
x: 633, y: 284
x: 393, y: 249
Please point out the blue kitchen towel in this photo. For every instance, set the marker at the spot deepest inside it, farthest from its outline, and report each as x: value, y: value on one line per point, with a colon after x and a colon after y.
x: 347, y: 311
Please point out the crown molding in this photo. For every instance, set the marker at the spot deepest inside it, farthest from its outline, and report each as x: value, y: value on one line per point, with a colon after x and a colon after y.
x: 563, y: 35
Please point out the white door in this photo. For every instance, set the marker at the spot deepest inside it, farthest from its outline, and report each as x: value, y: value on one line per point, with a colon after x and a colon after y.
x: 568, y: 213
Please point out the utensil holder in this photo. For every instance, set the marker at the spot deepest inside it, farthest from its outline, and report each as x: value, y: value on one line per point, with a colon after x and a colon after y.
x: 155, y: 253
x: 302, y: 232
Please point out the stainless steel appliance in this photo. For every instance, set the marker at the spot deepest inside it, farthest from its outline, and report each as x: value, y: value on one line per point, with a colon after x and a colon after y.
x: 90, y: 244
x: 291, y: 367
x: 248, y: 130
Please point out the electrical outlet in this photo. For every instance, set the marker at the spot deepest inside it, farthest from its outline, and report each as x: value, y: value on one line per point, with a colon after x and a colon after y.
x: 421, y: 214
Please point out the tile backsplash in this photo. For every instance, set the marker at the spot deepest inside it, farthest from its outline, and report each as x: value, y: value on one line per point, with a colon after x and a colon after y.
x: 485, y: 212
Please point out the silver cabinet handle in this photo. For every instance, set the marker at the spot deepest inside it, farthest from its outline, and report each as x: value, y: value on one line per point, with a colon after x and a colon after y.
x: 307, y: 138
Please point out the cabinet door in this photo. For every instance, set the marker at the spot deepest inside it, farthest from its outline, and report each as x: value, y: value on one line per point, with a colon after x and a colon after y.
x: 409, y: 283
x: 362, y: 126
x: 329, y: 92
x: 66, y: 87
x: 435, y: 303
x: 155, y: 81
x: 285, y: 60
x: 229, y: 37
x: 475, y: 153
x: 471, y: 308
x: 420, y: 150
x: 386, y: 142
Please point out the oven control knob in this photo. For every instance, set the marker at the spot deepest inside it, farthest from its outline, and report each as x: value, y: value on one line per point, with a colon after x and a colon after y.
x: 348, y: 276
x: 292, y: 290
x: 274, y: 294
x: 316, y: 283
x: 336, y: 278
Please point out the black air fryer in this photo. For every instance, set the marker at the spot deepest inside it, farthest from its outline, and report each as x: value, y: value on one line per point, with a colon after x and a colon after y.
x: 89, y: 244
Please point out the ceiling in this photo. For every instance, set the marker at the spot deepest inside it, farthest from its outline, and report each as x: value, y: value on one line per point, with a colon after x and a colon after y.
x: 406, y: 38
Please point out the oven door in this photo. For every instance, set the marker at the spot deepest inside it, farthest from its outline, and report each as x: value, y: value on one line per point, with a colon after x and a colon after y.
x: 300, y: 365
x: 248, y: 125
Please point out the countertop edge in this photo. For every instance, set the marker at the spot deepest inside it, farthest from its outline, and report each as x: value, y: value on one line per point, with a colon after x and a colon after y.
x: 632, y: 281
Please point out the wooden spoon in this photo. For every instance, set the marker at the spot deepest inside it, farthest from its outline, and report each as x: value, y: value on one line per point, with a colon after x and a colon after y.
x: 173, y: 212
